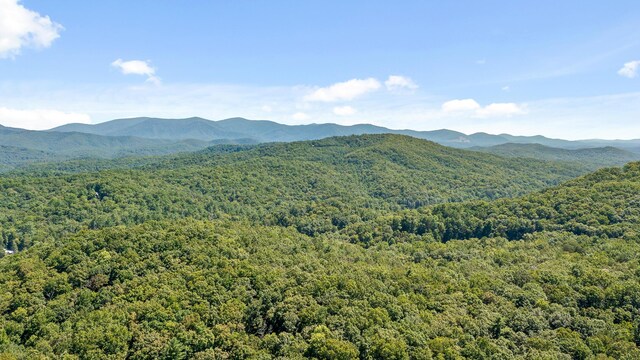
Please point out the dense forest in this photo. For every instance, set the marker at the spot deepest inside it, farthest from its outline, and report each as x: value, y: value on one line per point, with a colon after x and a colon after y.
x: 360, y: 247
x: 593, y: 158
x: 317, y: 186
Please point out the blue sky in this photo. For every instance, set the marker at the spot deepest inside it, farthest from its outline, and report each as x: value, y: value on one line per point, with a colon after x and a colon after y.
x: 567, y: 69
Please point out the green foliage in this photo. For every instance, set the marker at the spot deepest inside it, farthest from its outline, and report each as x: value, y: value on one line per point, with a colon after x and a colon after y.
x: 604, y: 204
x: 336, y: 249
x: 189, y: 288
x: 317, y: 187
x: 324, y: 345
x: 590, y: 157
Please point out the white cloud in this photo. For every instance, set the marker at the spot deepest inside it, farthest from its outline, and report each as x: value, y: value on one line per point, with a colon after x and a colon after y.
x: 344, y: 110
x: 343, y: 91
x: 630, y: 69
x: 506, y: 88
x: 300, y: 116
x: 395, y: 82
x: 266, y: 108
x: 39, y: 119
x: 472, y: 106
x: 137, y: 67
x: 21, y: 27
x: 500, y: 110
x: 460, y: 105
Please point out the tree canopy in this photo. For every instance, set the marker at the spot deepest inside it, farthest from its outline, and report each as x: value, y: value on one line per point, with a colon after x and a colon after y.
x: 370, y: 247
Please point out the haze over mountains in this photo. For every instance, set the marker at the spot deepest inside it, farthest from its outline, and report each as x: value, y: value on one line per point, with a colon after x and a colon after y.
x: 592, y: 157
x: 154, y: 136
x: 269, y: 131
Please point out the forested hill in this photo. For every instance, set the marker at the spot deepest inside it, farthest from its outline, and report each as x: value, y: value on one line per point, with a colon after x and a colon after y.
x: 439, y: 282
x: 19, y: 147
x: 317, y: 186
x: 604, y: 204
x: 593, y: 158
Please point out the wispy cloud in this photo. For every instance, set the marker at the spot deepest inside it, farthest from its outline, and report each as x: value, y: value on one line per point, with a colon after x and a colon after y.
x: 39, y: 119
x: 459, y: 105
x: 300, y: 116
x: 630, y: 69
x: 344, y: 110
x: 21, y: 27
x: 344, y: 91
x: 501, y: 110
x: 396, y: 82
x: 137, y: 67
x: 472, y: 107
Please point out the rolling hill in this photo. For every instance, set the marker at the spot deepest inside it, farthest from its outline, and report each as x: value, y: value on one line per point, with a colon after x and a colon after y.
x: 88, y: 145
x: 20, y: 147
x: 315, y: 186
x: 592, y: 158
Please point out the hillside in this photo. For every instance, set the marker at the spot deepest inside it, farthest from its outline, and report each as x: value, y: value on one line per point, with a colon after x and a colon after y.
x: 14, y: 156
x: 604, y: 204
x: 21, y: 147
x: 316, y: 186
x: 592, y: 158
x: 408, y: 284
x: 76, y: 143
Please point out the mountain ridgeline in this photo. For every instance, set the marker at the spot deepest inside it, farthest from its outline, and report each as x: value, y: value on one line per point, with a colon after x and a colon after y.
x: 269, y: 131
x: 150, y: 137
x: 20, y: 147
x: 593, y: 158
x: 357, y: 247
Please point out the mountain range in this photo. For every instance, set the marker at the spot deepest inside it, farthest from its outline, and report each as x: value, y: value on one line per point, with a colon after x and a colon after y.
x: 154, y: 136
x: 593, y: 158
x: 268, y: 131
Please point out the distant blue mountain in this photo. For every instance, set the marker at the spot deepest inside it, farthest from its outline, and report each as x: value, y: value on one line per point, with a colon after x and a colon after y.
x: 268, y: 131
x: 152, y: 136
